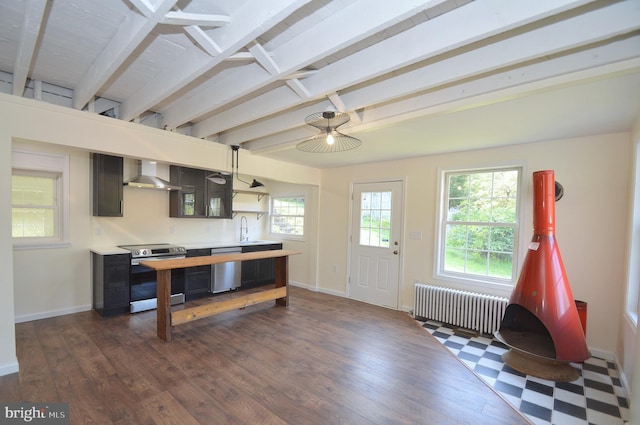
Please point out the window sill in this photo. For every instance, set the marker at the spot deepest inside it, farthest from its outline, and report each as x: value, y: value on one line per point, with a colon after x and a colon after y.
x: 480, y: 286
x: 28, y: 246
x: 632, y: 318
x: 285, y: 237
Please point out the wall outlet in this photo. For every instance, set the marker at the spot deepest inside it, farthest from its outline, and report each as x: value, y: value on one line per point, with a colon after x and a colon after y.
x: 172, y: 229
x: 334, y: 268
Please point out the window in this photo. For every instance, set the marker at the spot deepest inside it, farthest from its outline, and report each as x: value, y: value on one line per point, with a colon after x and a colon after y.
x: 479, y: 225
x: 287, y: 216
x: 375, y: 219
x: 38, y: 214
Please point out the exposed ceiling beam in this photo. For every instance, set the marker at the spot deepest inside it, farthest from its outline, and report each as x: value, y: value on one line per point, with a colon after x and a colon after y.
x: 295, y: 55
x: 435, y: 37
x: 263, y: 58
x: 178, y: 17
x: 31, y: 25
x: 340, y: 106
x: 277, y: 124
x: 201, y: 37
x: 299, y: 88
x: 255, y: 18
x: 144, y: 7
x: 508, y: 85
x: 579, y: 32
x: 130, y: 34
x: 614, y: 57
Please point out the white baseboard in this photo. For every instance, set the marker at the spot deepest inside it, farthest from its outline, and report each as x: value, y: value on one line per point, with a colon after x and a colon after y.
x: 332, y: 292
x: 51, y: 313
x: 9, y: 368
x: 301, y: 285
x: 316, y: 289
x: 602, y: 354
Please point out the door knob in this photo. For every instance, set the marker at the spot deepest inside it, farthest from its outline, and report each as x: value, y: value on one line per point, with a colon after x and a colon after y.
x: 395, y: 252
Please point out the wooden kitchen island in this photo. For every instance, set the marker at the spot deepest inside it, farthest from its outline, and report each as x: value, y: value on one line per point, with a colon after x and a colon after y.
x: 167, y: 318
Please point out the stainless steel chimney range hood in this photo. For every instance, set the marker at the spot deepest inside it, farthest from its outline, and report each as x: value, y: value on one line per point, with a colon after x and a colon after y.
x: 147, y: 178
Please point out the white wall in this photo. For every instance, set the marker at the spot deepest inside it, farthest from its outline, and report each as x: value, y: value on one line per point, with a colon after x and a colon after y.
x: 44, y: 282
x: 303, y: 267
x: 591, y: 218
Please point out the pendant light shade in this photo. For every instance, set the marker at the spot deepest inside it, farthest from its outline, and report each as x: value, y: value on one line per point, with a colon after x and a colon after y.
x: 217, y: 178
x: 329, y: 139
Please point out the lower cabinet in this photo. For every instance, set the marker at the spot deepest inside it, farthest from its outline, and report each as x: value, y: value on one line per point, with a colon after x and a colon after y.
x: 197, y: 280
x: 111, y: 283
x: 258, y: 272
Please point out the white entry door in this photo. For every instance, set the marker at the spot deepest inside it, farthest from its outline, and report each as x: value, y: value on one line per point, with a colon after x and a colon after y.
x: 375, y: 243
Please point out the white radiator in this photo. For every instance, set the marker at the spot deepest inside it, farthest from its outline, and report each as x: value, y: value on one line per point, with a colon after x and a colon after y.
x: 478, y: 312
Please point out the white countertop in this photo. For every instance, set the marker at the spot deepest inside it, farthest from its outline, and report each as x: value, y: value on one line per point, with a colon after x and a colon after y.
x: 113, y: 250
x: 109, y: 250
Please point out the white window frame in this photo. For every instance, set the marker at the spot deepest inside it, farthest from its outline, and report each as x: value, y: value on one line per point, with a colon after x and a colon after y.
x: 287, y: 236
x: 47, y: 164
x: 632, y: 304
x: 467, y: 280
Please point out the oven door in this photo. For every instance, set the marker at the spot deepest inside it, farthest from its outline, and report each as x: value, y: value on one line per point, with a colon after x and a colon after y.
x: 143, y: 284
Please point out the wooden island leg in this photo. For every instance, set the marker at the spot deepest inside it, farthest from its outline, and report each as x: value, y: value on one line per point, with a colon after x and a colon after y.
x: 282, y: 278
x: 164, y: 304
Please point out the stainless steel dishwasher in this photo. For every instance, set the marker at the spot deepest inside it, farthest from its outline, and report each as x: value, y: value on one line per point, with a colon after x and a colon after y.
x: 225, y: 276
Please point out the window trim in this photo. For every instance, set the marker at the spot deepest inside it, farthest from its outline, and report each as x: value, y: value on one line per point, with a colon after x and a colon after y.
x: 29, y: 162
x: 632, y: 293
x: 287, y: 236
x: 469, y: 281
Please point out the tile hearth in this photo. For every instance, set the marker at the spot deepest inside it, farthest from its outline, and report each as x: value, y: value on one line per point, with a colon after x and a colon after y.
x: 596, y: 398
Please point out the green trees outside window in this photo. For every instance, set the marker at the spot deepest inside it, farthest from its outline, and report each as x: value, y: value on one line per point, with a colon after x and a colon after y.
x: 480, y: 222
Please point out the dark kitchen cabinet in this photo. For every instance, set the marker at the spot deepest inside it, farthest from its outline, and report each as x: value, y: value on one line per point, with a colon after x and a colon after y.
x: 107, y: 185
x: 258, y: 272
x: 110, y: 283
x: 199, y: 196
x: 197, y: 280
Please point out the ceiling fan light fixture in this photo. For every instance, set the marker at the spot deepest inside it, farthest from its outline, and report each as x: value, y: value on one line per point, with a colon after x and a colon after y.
x: 330, y: 139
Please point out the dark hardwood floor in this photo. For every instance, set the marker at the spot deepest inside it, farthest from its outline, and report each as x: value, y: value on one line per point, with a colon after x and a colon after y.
x: 322, y: 360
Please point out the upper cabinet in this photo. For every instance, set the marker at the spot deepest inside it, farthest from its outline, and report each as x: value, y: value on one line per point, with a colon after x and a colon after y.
x: 107, y: 185
x: 199, y: 197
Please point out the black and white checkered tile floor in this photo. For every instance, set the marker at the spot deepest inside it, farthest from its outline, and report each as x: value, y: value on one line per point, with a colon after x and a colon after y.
x: 596, y: 398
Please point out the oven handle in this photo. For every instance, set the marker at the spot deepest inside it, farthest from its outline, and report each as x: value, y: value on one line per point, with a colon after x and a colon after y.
x: 136, y: 261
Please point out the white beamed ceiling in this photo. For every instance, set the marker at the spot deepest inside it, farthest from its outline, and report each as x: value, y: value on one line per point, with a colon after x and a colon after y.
x: 417, y: 77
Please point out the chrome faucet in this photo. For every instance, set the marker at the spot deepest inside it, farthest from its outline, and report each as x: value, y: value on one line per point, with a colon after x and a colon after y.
x: 244, y: 229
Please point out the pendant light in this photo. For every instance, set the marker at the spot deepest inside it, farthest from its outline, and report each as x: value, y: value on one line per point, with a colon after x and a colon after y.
x: 234, y: 166
x: 329, y: 139
x: 217, y: 178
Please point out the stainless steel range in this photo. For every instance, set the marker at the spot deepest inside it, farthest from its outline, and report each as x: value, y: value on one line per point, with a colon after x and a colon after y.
x: 143, y: 282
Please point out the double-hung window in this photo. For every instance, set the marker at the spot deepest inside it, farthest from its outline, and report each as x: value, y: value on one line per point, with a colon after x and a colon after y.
x: 478, y: 229
x: 39, y: 216
x: 287, y: 216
